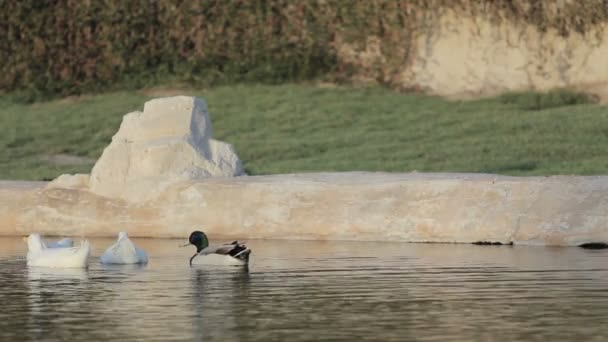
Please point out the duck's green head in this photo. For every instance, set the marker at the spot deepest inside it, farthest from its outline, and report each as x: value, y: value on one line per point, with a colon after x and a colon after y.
x: 199, y: 239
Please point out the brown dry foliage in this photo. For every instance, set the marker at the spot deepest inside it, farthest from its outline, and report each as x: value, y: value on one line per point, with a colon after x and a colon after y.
x: 65, y: 47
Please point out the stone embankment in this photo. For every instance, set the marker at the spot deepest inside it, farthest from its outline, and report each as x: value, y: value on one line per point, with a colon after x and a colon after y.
x: 163, y: 176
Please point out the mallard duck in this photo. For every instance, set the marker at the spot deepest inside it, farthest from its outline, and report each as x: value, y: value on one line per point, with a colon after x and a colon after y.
x: 124, y: 252
x: 234, y: 253
x: 40, y: 255
x: 63, y: 243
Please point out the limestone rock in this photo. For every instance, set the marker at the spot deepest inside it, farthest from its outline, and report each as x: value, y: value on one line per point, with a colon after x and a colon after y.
x: 415, y: 207
x: 169, y: 142
x: 459, y: 55
x: 67, y: 181
x: 464, y: 56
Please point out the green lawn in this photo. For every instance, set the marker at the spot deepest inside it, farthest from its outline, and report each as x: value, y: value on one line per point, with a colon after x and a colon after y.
x: 303, y: 128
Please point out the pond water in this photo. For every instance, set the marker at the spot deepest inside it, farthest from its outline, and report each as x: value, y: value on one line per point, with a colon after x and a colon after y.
x: 305, y: 290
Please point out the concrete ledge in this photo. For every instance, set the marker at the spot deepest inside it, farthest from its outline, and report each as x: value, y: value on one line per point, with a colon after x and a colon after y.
x: 414, y: 207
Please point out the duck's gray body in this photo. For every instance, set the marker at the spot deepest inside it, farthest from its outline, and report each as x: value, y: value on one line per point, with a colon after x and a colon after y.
x: 234, y: 253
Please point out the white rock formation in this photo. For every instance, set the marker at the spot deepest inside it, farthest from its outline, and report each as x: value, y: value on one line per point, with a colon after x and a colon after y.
x: 76, y: 181
x: 169, y: 142
x: 459, y: 55
x: 416, y: 207
x: 464, y: 56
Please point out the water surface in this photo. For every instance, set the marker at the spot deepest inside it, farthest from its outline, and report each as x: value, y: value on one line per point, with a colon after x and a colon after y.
x: 303, y: 290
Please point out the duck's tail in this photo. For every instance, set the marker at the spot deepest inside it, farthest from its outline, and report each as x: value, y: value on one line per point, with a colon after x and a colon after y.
x: 242, y: 254
x: 35, y: 243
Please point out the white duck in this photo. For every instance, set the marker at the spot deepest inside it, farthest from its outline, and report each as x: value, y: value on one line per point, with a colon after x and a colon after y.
x: 40, y: 255
x: 234, y: 253
x: 124, y: 252
x: 63, y: 243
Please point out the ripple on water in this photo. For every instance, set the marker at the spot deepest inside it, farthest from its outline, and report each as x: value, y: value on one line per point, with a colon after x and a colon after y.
x: 300, y: 291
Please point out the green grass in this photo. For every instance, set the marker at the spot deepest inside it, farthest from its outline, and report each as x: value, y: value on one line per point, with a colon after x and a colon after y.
x: 546, y: 100
x: 304, y: 128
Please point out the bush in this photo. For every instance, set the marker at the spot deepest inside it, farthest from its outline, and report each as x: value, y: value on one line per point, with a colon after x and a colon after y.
x: 62, y: 47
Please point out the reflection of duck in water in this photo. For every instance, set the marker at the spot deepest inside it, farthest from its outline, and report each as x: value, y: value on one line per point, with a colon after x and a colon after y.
x: 220, y: 303
x: 56, y: 275
x: 234, y: 253
x: 235, y: 278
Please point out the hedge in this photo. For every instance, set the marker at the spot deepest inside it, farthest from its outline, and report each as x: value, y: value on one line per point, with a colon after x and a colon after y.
x: 66, y: 47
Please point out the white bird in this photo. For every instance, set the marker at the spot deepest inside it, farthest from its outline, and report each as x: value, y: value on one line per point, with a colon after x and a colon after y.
x: 40, y: 255
x: 124, y: 252
x: 63, y: 243
x: 234, y: 253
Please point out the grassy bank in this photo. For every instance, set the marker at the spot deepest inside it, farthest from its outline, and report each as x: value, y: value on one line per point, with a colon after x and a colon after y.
x: 302, y: 128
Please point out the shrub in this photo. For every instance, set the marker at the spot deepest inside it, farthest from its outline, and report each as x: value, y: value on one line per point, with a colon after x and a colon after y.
x: 61, y: 47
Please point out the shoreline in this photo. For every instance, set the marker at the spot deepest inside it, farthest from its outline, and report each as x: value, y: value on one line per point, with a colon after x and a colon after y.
x: 344, y: 206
